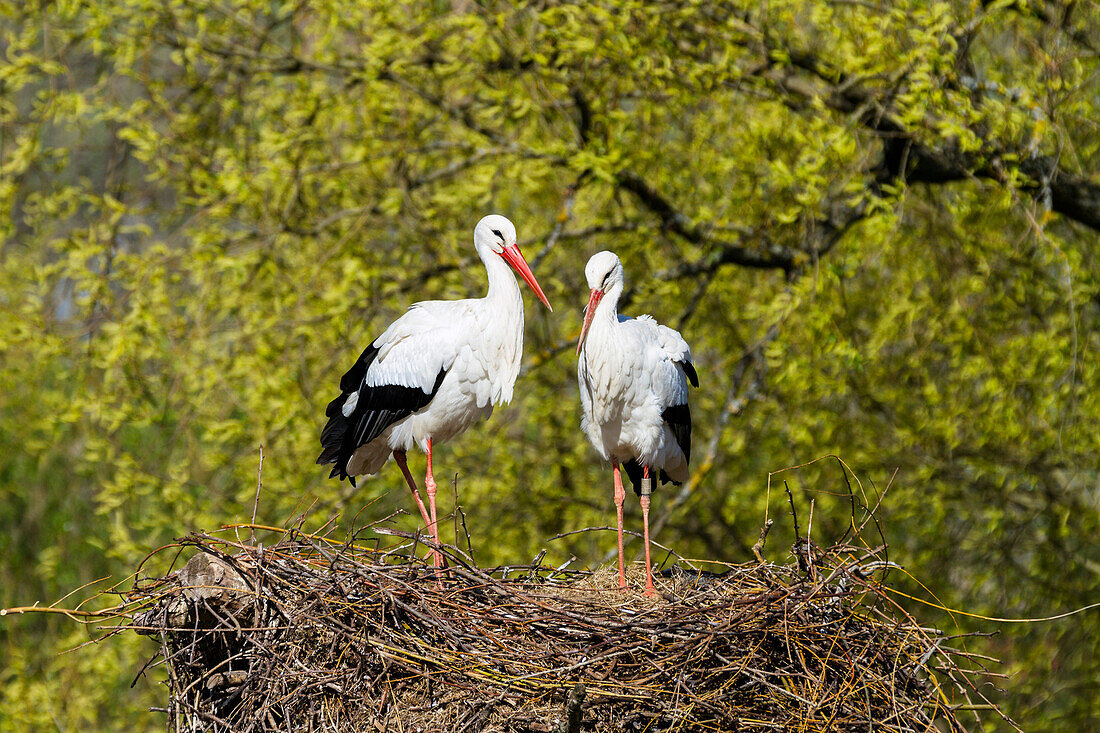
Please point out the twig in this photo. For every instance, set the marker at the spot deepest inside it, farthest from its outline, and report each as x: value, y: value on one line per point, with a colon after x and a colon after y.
x: 259, y: 485
x: 798, y: 548
x: 758, y: 546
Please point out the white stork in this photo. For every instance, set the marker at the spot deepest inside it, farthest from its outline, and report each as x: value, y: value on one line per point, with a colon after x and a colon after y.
x: 436, y: 370
x: 633, y: 375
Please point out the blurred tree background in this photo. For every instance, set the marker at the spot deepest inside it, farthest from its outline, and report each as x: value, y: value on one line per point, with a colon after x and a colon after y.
x: 875, y: 222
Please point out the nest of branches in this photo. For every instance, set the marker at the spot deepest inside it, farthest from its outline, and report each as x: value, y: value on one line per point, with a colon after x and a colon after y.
x: 312, y: 634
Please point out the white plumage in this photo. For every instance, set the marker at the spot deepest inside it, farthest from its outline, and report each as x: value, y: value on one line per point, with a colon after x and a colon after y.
x: 435, y: 371
x: 630, y: 373
x: 476, y: 345
x: 633, y: 375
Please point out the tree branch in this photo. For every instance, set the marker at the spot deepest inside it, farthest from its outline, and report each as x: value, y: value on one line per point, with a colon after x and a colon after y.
x: 821, y: 236
x: 767, y: 256
x: 908, y: 159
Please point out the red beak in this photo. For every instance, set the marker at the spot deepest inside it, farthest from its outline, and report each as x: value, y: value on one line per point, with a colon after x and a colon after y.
x: 589, y: 312
x: 514, y: 257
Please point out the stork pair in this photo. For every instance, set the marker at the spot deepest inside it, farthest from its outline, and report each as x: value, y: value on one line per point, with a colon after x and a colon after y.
x: 444, y: 364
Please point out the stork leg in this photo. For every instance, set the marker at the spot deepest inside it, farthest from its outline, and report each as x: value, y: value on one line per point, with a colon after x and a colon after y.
x: 620, y: 497
x: 403, y: 464
x: 430, y: 487
x: 647, y: 487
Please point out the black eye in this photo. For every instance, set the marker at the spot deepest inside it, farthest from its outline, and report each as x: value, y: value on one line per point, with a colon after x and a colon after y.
x: 602, y: 284
x: 497, y: 232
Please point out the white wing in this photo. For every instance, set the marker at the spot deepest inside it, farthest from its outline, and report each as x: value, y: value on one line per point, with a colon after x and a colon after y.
x: 396, y: 376
x: 419, y: 345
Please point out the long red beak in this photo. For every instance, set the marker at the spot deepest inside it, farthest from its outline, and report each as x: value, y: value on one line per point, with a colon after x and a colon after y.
x: 589, y: 312
x: 514, y: 257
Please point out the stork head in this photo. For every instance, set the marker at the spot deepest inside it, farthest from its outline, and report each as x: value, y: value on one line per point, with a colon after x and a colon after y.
x: 496, y: 234
x: 604, y: 273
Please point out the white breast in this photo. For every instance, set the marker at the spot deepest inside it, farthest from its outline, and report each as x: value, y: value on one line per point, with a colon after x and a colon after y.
x: 627, y: 379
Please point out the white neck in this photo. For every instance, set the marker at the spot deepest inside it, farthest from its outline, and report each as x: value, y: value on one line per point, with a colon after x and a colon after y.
x: 503, y: 288
x: 607, y: 311
x: 604, y: 322
x: 502, y: 307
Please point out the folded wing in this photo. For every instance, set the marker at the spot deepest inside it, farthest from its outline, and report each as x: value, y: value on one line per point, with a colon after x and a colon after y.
x: 397, y: 375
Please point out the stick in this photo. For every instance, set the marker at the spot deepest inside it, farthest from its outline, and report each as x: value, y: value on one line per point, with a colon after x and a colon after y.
x: 259, y: 485
x: 571, y: 723
x: 759, y: 544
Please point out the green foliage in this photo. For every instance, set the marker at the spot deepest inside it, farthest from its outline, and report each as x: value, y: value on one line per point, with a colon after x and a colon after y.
x: 208, y: 208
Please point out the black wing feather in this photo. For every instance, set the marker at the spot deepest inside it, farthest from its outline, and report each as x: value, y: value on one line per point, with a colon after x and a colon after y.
x: 678, y: 419
x: 377, y: 408
x: 689, y: 370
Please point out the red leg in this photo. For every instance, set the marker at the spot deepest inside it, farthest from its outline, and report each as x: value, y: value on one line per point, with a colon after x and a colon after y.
x: 430, y: 487
x: 403, y: 464
x: 620, y: 497
x: 646, y: 488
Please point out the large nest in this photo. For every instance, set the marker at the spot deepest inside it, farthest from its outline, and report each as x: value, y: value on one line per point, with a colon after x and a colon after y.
x: 317, y: 635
